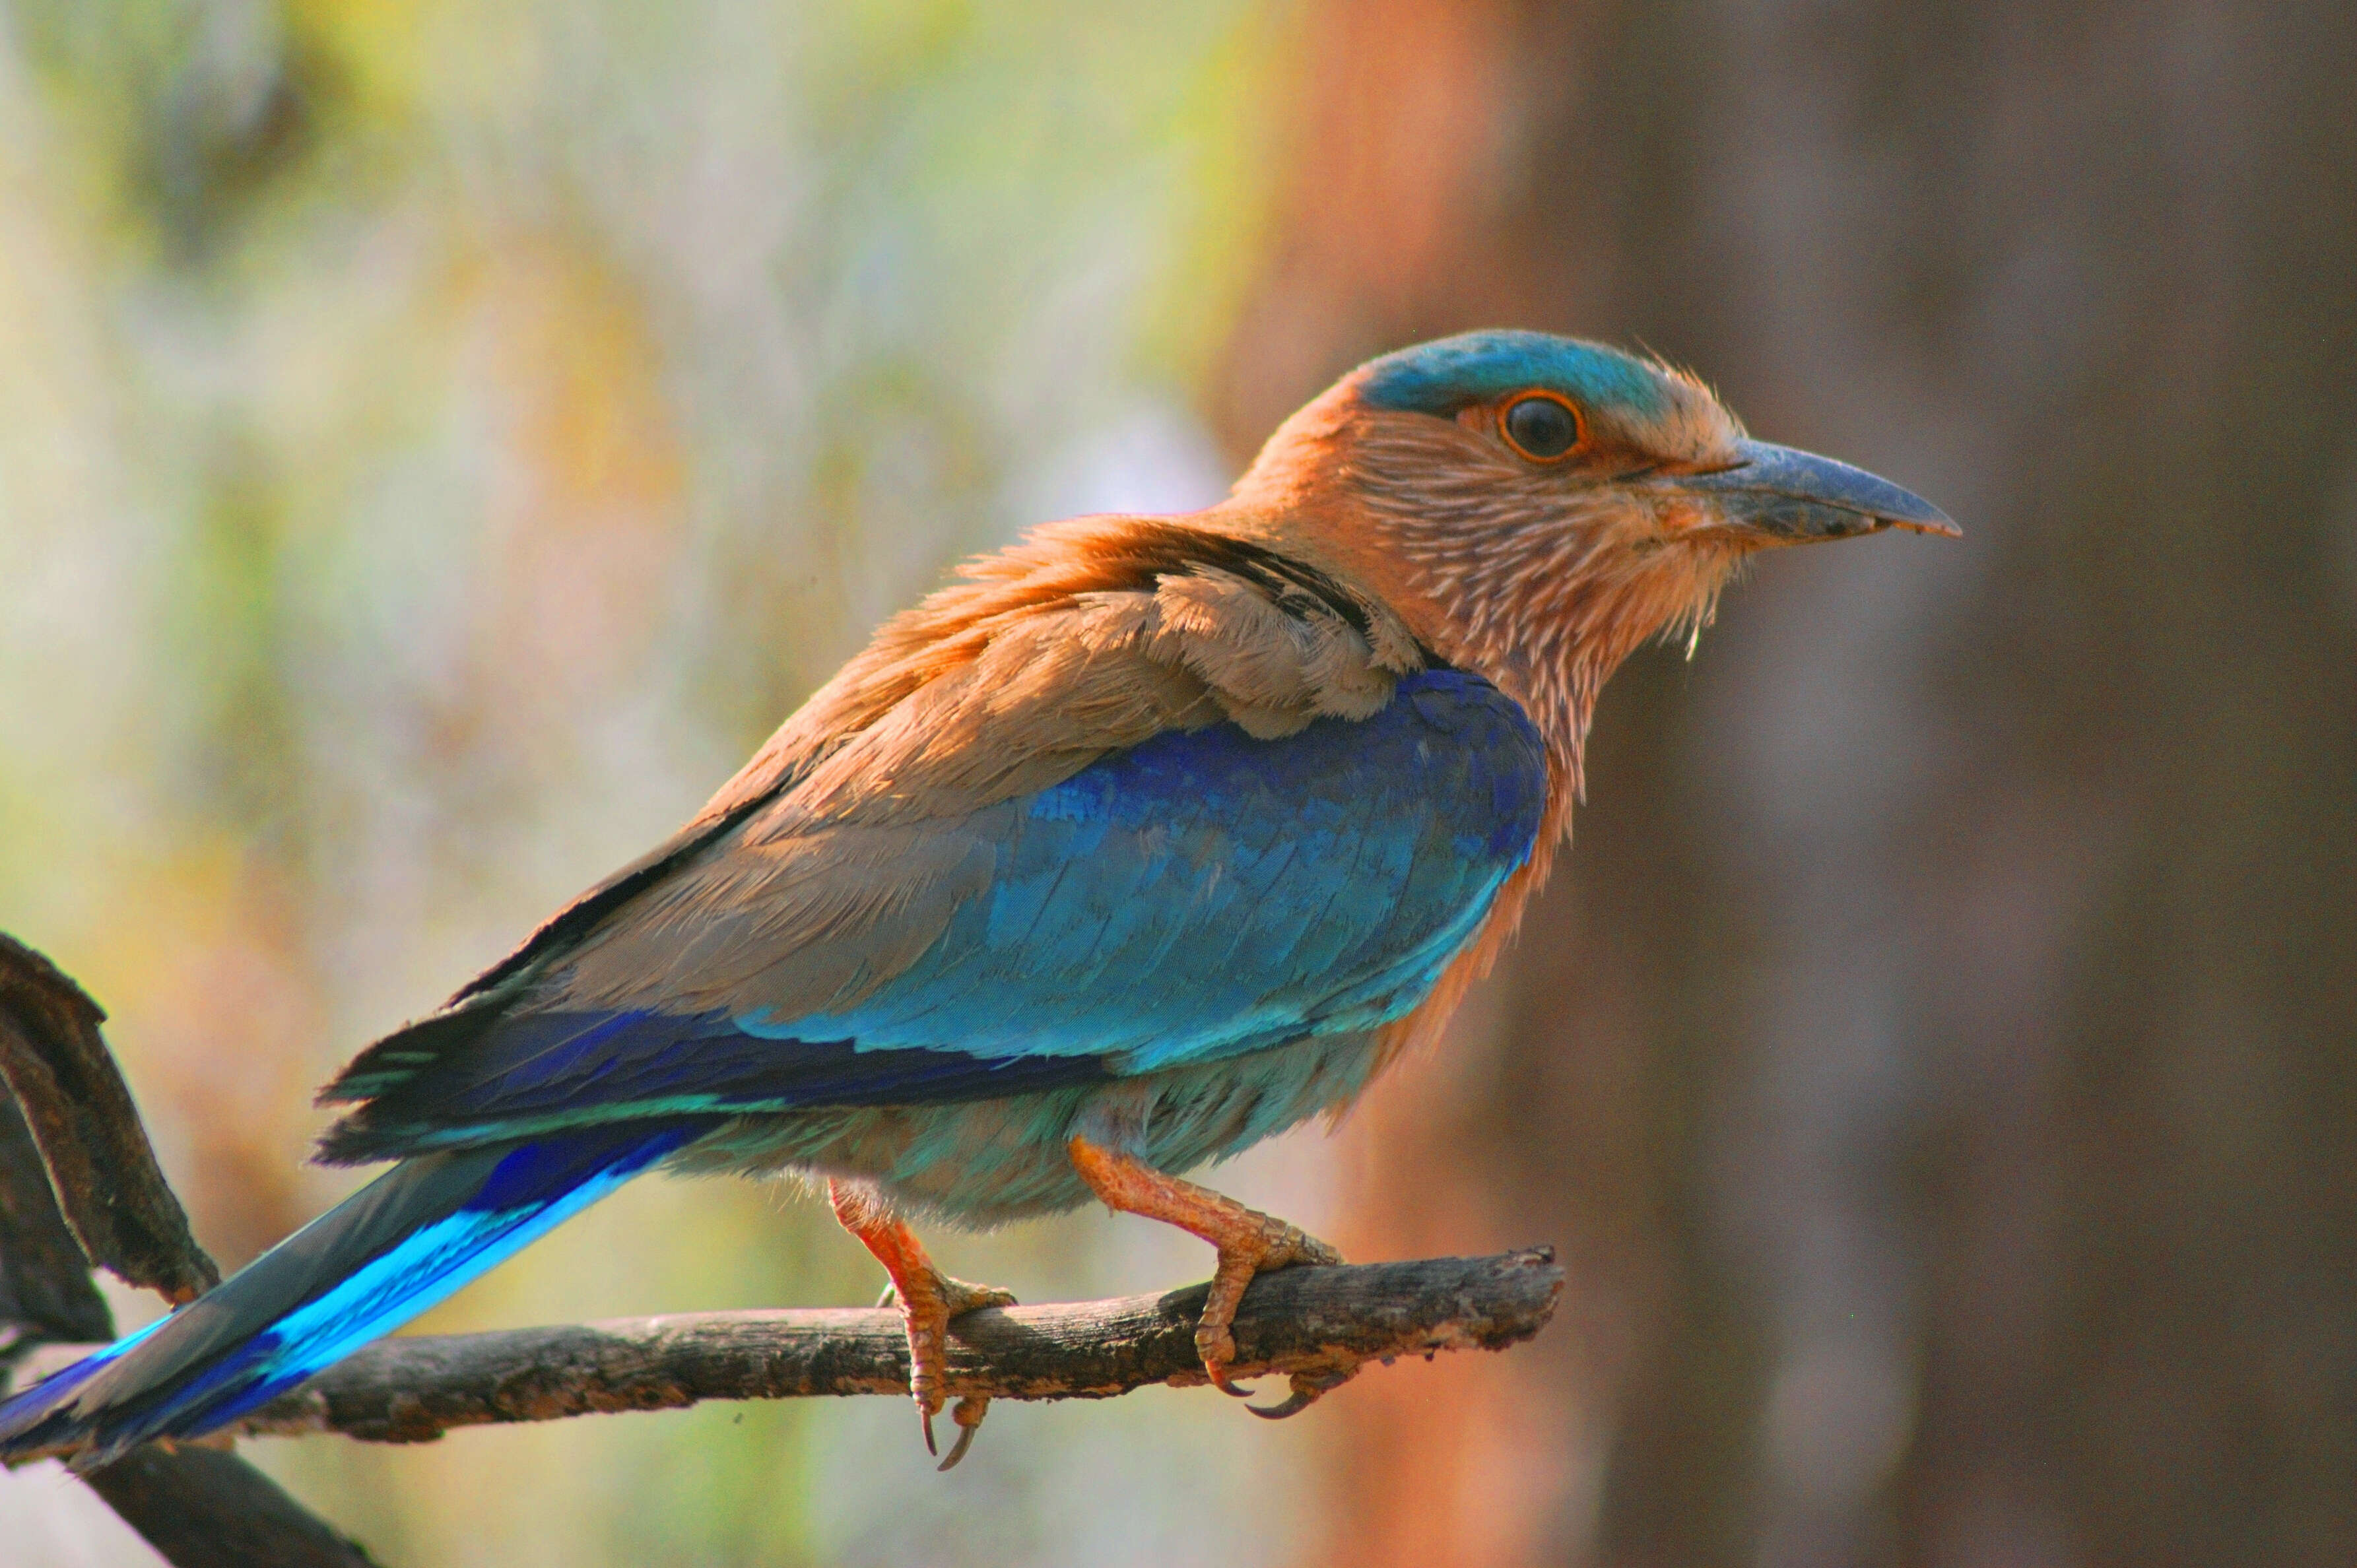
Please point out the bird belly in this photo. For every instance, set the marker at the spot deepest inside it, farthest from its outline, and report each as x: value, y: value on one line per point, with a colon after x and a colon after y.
x: 982, y: 1163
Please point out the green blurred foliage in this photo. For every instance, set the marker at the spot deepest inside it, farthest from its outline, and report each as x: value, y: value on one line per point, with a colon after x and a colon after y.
x: 436, y: 442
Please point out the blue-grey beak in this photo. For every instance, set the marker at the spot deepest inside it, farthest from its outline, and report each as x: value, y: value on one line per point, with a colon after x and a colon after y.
x: 1798, y: 498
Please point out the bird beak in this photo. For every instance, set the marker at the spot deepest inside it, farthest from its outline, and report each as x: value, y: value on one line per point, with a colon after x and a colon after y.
x: 1787, y: 496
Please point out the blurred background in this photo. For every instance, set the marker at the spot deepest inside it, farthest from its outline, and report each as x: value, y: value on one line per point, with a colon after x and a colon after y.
x: 439, y: 440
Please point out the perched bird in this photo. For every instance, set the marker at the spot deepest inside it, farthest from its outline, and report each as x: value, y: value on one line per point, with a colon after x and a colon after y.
x: 1151, y: 837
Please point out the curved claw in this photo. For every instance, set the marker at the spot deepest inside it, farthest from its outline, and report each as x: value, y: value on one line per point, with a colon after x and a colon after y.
x: 1306, y: 1392
x: 1228, y: 1386
x: 968, y: 1414
x: 926, y: 1416
x: 1294, y: 1403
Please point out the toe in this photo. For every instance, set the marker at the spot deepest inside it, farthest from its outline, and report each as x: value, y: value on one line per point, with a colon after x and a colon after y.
x: 961, y: 1298
x: 1218, y: 1352
x: 1290, y: 1248
x: 1314, y: 1252
x: 1216, y: 1345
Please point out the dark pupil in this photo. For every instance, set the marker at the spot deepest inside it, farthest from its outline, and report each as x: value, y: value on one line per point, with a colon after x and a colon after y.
x: 1542, y: 427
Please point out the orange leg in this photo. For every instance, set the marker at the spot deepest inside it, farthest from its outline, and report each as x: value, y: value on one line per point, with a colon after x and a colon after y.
x: 928, y: 1298
x: 1248, y: 1240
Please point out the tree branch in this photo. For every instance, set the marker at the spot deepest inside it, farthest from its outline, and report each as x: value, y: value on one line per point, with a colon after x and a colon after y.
x: 200, y: 1508
x: 108, y: 1186
x: 1318, y: 1326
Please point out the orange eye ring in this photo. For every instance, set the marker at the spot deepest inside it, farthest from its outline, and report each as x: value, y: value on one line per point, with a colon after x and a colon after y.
x: 1541, y: 426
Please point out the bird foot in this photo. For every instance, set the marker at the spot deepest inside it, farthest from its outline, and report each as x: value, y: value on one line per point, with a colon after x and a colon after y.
x: 927, y: 1299
x: 1256, y: 1244
x: 1249, y: 1243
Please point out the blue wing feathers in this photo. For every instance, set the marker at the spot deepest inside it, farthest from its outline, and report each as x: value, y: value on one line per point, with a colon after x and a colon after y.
x: 1158, y: 907
x: 1199, y: 895
x: 624, y: 1065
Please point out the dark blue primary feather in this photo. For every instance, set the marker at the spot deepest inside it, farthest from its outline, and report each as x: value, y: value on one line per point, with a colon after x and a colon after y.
x: 1197, y: 895
x: 572, y: 1069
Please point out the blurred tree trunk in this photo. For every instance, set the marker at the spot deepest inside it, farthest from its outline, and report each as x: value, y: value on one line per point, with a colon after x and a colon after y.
x: 1936, y: 1057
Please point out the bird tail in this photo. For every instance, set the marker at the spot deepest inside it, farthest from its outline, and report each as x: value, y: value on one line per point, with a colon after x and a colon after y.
x: 368, y: 1265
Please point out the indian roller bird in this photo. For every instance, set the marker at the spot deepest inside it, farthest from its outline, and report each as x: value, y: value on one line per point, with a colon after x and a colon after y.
x: 1148, y: 839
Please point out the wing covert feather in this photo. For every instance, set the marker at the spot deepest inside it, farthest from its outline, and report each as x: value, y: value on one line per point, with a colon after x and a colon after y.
x: 1139, y: 829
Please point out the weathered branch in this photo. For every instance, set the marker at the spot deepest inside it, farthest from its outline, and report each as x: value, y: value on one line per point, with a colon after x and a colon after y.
x: 46, y: 1289
x: 108, y: 1186
x: 1320, y: 1326
x: 200, y: 1508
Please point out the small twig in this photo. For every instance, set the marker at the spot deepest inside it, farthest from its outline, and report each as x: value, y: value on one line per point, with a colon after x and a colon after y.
x: 108, y: 1186
x: 46, y: 1289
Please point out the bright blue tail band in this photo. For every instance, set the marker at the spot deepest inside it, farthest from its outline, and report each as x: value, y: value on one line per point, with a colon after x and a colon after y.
x: 397, y: 1247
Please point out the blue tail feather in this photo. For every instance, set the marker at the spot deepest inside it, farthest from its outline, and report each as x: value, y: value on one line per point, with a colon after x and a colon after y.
x: 383, y: 1255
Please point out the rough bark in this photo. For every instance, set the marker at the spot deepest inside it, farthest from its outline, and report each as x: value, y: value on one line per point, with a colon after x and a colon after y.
x: 1317, y: 1325
x: 46, y: 1291
x: 108, y: 1186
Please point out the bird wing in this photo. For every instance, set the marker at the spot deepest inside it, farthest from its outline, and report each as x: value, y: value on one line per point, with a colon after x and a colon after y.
x: 976, y: 896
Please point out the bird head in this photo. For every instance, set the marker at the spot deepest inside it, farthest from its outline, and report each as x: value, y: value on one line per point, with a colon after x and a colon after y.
x: 1534, y: 507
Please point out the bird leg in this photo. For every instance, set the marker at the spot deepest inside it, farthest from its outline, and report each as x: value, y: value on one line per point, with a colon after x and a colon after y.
x: 928, y: 1299
x: 1249, y: 1241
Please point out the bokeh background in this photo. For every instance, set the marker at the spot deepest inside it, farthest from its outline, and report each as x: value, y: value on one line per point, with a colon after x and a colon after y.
x: 439, y: 440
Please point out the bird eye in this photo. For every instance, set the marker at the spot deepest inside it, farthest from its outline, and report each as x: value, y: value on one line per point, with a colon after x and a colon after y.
x: 1541, y: 428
